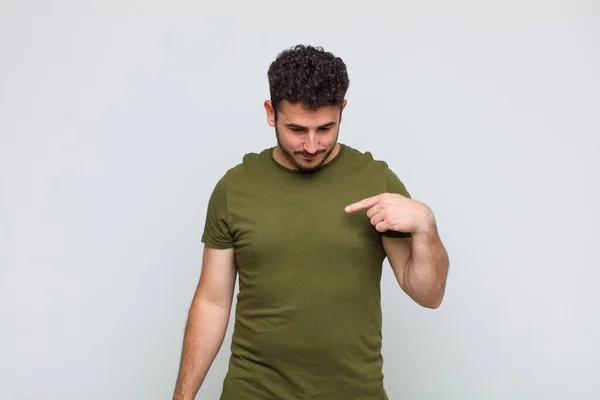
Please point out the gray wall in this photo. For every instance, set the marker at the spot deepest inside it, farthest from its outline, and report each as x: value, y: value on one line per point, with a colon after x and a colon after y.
x: 116, y: 121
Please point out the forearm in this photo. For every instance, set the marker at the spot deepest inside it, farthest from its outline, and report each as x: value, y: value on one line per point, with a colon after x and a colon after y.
x: 204, y: 334
x: 427, y: 268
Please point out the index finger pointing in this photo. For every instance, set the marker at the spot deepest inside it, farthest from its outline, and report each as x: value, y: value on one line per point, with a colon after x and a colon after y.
x: 361, y: 205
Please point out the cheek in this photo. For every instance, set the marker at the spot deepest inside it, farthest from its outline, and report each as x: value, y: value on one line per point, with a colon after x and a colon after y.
x: 291, y: 142
x: 329, y: 139
x: 294, y: 141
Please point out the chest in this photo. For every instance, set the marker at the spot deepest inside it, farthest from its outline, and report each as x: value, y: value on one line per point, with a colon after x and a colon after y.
x: 295, y: 245
x: 302, y: 224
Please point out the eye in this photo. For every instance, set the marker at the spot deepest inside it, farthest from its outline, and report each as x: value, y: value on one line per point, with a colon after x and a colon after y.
x: 297, y: 129
x: 327, y: 129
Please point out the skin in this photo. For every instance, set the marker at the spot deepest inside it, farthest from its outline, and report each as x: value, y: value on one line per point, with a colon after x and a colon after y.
x: 420, y: 263
x: 302, y: 132
x: 207, y: 321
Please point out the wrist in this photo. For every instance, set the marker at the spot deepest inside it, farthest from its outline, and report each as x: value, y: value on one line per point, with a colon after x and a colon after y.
x: 428, y: 225
x: 182, y: 396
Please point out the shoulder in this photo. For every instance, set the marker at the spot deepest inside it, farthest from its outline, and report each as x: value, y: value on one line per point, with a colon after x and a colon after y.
x: 249, y: 165
x: 378, y: 170
x: 365, y: 159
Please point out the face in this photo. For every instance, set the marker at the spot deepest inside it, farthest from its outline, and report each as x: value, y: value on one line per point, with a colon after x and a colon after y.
x: 306, y: 139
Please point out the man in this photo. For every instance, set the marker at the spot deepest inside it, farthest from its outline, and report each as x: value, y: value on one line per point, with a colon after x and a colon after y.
x: 307, y: 225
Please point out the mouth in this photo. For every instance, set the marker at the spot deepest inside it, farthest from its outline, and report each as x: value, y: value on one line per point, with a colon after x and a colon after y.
x: 310, y: 157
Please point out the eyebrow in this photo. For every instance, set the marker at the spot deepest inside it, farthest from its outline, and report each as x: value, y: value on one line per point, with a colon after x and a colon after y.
x: 295, y: 126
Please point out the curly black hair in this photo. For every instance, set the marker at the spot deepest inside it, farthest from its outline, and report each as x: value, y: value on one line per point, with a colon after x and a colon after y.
x: 308, y: 75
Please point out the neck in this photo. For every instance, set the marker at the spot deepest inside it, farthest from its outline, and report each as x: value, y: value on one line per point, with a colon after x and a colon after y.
x: 282, y: 159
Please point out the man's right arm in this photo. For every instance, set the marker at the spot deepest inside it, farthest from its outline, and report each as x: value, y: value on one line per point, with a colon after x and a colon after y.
x: 207, y: 320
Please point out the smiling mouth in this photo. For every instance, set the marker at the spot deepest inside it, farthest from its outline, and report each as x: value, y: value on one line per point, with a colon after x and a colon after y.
x: 311, y: 156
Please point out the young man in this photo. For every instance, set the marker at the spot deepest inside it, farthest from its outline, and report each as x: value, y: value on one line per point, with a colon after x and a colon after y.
x: 306, y: 225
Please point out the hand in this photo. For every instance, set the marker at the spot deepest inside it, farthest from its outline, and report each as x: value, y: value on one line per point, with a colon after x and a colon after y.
x: 391, y: 211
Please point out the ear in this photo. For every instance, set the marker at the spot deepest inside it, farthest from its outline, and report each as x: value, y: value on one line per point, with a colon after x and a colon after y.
x: 270, y: 113
x: 343, y: 106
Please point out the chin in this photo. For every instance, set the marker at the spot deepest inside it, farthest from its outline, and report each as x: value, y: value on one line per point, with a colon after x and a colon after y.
x: 317, y: 162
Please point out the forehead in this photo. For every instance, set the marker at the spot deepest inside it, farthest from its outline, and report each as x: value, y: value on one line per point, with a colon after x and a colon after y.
x: 297, y: 113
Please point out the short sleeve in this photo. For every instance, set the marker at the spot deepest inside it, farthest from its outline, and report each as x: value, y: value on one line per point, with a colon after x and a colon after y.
x: 394, y: 185
x: 217, y: 233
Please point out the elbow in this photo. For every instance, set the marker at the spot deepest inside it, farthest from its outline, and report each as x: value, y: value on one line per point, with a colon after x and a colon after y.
x: 430, y: 300
x: 430, y: 303
x: 426, y: 292
x: 433, y: 305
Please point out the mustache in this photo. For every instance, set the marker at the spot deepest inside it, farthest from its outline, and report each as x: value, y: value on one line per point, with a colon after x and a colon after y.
x: 304, y: 153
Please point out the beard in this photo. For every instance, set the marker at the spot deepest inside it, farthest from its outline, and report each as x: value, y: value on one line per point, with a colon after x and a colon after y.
x: 291, y: 155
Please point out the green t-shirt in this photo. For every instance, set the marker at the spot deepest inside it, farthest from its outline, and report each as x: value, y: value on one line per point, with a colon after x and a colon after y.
x: 308, y: 315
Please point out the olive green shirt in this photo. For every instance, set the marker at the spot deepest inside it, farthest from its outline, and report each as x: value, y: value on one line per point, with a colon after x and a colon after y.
x: 308, y: 314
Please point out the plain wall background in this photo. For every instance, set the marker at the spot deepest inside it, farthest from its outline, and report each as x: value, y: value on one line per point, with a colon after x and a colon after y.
x: 117, y: 119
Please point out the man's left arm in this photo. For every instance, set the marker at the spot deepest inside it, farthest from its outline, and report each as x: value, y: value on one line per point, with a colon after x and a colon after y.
x: 420, y: 265
x: 420, y: 262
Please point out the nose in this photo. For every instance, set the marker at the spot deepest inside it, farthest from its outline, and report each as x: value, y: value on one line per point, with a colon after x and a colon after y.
x: 311, y: 145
